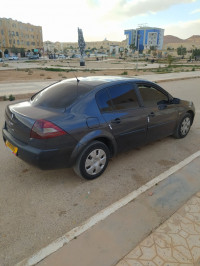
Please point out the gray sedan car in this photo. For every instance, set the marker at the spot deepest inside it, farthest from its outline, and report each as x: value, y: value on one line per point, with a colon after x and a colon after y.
x: 83, y: 122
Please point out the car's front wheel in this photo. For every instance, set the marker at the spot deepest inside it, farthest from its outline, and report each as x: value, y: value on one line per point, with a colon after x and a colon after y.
x: 93, y: 161
x: 183, y: 127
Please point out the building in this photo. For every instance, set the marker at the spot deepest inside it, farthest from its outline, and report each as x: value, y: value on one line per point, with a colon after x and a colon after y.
x: 15, y: 34
x: 73, y: 46
x: 143, y: 38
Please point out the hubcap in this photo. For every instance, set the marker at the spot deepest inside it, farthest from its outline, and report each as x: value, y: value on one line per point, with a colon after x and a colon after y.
x: 185, y: 126
x: 95, y: 161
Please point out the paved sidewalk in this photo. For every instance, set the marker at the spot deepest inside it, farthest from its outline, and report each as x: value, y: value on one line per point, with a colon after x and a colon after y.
x: 175, y: 242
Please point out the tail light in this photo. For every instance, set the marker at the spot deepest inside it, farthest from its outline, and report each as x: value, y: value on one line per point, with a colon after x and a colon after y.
x: 43, y: 129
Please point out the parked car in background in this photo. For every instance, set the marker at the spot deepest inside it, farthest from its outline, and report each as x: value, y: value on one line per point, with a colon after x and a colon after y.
x: 13, y: 57
x: 83, y: 122
x: 1, y: 60
x: 34, y: 56
x: 61, y: 56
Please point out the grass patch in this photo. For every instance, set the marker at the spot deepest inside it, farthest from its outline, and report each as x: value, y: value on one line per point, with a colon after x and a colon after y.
x: 124, y: 73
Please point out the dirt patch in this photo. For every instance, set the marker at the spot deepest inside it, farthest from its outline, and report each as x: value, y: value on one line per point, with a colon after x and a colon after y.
x: 41, y: 75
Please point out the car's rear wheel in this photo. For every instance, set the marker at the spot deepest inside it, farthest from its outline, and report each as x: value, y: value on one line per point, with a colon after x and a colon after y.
x: 183, y: 127
x: 93, y: 161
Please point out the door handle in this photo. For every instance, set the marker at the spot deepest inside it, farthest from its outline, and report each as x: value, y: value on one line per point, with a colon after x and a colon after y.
x: 116, y: 121
x: 152, y: 114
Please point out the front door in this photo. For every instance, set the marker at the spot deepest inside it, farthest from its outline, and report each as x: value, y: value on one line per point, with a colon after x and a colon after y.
x: 161, y: 114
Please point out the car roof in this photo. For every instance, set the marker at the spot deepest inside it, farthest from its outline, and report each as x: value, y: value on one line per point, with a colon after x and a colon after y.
x: 95, y: 81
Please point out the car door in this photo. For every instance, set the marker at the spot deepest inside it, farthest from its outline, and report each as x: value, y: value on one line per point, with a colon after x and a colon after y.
x: 161, y: 114
x: 125, y: 118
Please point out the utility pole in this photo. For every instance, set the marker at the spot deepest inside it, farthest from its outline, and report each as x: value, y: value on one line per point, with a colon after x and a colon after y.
x: 138, y: 40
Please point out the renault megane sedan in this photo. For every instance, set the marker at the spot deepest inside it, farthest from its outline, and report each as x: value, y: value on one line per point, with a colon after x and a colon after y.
x: 81, y: 123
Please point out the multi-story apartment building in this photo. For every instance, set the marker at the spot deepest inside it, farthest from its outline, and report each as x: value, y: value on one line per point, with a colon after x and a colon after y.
x: 16, y: 34
x: 145, y: 37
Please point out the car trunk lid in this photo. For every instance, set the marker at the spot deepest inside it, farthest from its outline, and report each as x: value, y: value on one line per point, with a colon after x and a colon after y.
x: 20, y: 118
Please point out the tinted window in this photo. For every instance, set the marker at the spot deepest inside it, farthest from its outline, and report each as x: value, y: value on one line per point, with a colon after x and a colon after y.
x: 103, y: 101
x: 151, y: 96
x: 60, y: 95
x: 123, y: 97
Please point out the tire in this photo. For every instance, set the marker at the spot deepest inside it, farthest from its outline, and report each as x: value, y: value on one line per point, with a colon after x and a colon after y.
x: 183, y: 127
x: 93, y: 161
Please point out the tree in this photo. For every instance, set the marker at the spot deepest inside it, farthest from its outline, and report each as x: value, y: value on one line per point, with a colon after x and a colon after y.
x: 15, y: 50
x: 170, y: 59
x: 195, y: 52
x: 132, y: 47
x: 65, y: 50
x: 55, y: 50
x: 22, y: 52
x: 152, y: 48
x: 181, y: 50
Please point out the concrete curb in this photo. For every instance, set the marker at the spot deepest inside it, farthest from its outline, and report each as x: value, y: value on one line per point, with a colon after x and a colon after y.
x: 28, y: 95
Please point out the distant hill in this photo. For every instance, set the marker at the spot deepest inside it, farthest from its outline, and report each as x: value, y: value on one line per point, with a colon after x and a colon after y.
x: 174, y: 42
x: 172, y: 39
x: 194, y: 39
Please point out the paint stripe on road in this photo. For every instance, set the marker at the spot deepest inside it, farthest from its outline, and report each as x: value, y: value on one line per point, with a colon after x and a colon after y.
x: 60, y: 242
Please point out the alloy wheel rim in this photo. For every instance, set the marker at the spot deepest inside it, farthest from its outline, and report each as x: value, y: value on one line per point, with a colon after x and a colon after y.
x: 185, y: 126
x: 95, y: 161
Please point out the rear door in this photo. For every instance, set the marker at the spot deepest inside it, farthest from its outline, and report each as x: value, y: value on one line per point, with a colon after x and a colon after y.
x: 161, y: 114
x: 124, y: 115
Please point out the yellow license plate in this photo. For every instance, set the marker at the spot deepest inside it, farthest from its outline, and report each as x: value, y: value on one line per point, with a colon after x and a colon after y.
x: 11, y: 147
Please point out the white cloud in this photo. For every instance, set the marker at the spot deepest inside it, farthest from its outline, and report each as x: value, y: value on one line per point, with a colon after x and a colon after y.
x: 183, y: 29
x: 126, y: 8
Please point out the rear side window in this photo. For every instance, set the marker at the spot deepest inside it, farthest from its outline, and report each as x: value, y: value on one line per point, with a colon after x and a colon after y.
x: 123, y: 96
x: 103, y: 101
x: 151, y: 96
x: 60, y: 95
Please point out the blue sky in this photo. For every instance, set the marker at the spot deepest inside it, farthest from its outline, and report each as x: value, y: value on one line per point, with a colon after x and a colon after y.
x: 101, y: 19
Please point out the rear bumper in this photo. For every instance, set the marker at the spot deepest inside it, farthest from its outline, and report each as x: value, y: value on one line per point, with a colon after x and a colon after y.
x: 44, y: 159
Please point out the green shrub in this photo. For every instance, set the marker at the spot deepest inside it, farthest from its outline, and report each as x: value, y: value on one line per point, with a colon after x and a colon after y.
x: 11, y: 97
x: 124, y: 73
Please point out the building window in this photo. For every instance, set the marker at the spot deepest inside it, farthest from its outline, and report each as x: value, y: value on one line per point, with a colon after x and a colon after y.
x: 18, y: 42
x: 28, y: 43
x: 33, y: 43
x: 13, y: 33
x: 17, y: 34
x: 2, y: 32
x: 10, y: 41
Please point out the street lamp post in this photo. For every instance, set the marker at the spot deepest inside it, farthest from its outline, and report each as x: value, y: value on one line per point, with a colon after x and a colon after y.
x: 138, y: 40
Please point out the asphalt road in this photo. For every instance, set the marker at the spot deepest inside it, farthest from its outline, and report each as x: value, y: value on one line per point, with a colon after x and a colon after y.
x: 39, y: 206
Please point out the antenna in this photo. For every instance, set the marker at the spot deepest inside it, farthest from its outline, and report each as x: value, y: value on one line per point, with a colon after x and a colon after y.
x: 73, y: 73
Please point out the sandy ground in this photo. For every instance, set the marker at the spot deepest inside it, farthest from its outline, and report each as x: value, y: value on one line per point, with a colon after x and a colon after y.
x: 39, y: 206
x: 39, y: 75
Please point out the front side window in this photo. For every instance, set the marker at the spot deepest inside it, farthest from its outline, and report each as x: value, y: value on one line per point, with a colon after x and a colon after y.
x: 123, y: 97
x: 151, y: 96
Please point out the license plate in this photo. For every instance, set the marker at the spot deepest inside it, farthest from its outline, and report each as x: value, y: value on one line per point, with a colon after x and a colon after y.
x: 12, y: 147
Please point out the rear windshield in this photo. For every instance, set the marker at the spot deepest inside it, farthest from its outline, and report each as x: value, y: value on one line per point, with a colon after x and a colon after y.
x: 60, y: 95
